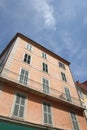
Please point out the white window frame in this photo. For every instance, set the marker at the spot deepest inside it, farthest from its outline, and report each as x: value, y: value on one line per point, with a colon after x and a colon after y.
x: 68, y: 99
x: 29, y: 47
x: 76, y: 121
x: 27, y: 59
x: 44, y: 55
x: 61, y: 65
x: 20, y: 74
x: 13, y: 106
x: 47, y: 86
x: 50, y: 113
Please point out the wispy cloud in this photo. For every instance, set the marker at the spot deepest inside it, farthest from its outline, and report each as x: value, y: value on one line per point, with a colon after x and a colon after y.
x: 45, y: 10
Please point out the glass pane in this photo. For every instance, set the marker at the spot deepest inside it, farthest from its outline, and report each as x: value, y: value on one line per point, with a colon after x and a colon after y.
x: 22, y: 100
x: 28, y: 61
x: 25, y: 81
x: 45, y: 107
x: 73, y: 116
x: 21, y: 79
x: 17, y: 99
x: 47, y: 82
x: 49, y: 109
x: 43, y: 67
x: 45, y: 89
x: 22, y: 72
x: 26, y: 73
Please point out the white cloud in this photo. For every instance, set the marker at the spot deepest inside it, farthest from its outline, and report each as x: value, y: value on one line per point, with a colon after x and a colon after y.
x: 46, y: 12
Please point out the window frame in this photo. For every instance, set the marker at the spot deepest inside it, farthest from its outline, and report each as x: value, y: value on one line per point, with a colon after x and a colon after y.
x: 74, y: 121
x: 13, y: 106
x: 48, y: 90
x: 68, y: 95
x: 63, y: 76
x: 28, y: 55
x: 23, y: 76
x: 44, y: 123
x: 44, y: 55
x: 29, y: 47
x: 45, y: 68
x: 61, y: 65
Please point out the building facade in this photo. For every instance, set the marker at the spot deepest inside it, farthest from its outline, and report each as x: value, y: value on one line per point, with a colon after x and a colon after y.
x: 37, y: 91
x: 82, y: 92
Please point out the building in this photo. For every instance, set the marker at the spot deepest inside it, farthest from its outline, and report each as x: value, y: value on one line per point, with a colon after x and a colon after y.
x: 37, y: 91
x: 82, y: 92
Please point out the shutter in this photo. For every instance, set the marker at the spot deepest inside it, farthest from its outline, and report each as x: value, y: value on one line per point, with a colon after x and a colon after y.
x: 74, y: 121
x: 19, y: 105
x: 21, y: 111
x: 15, y: 113
x: 47, y: 114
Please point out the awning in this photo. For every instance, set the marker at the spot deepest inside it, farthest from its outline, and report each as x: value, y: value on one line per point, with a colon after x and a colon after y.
x: 12, y: 126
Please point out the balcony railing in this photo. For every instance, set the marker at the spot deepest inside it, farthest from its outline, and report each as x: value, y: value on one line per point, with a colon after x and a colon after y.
x: 38, y: 87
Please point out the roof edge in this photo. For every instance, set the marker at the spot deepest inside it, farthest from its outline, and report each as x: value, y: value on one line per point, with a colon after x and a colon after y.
x: 55, y: 55
x: 9, y: 44
x: 37, y: 44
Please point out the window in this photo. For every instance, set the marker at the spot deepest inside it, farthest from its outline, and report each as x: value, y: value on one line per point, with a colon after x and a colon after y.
x: 61, y: 65
x: 63, y: 77
x: 44, y: 55
x: 19, y: 105
x: 47, y: 113
x: 68, y: 96
x: 74, y: 121
x: 45, y: 85
x: 29, y: 47
x: 27, y: 58
x: 24, y: 77
x: 45, y: 67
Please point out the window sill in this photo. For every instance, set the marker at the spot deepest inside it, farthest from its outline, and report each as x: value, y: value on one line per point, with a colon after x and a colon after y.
x: 17, y: 118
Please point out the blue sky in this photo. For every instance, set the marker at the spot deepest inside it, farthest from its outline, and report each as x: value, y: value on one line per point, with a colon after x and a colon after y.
x: 59, y: 25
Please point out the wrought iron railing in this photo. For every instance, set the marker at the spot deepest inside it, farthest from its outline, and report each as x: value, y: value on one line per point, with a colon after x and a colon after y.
x: 14, y: 77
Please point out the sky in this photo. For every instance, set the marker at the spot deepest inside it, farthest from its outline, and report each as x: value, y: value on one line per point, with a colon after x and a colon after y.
x: 59, y: 25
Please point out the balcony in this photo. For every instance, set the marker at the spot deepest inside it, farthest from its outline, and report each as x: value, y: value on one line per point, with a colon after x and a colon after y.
x: 37, y: 88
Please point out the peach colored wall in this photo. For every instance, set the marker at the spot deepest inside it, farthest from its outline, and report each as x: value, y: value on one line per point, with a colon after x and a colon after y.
x: 33, y: 113
x: 6, y: 100
x: 15, y: 61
